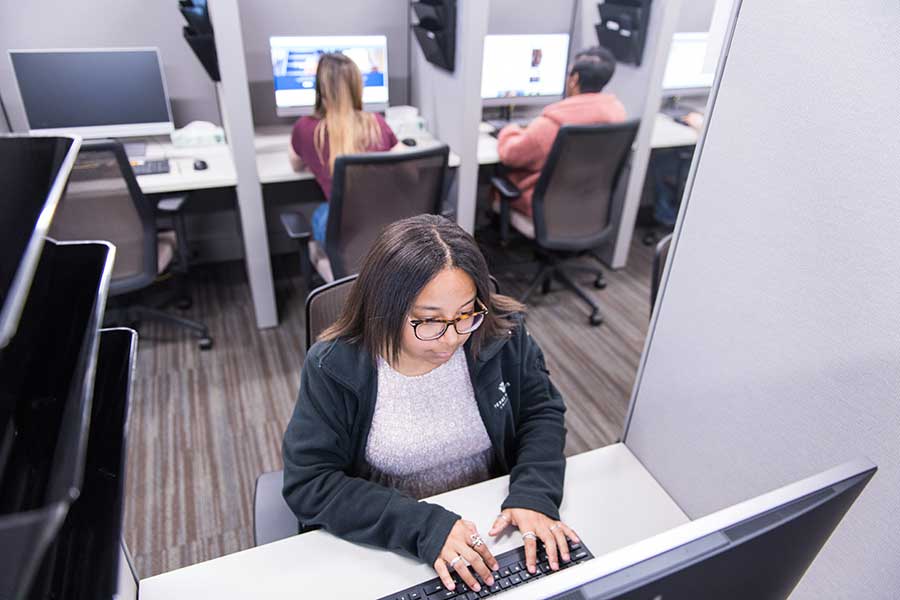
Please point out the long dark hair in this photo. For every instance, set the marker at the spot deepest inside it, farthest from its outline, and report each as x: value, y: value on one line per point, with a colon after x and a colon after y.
x: 404, y: 258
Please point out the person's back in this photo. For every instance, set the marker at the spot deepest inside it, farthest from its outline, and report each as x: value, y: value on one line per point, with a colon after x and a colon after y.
x: 524, y: 151
x: 339, y: 126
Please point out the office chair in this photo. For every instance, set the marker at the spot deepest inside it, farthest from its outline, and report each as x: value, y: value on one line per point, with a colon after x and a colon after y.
x: 103, y: 202
x: 572, y: 204
x: 369, y: 191
x: 659, y: 263
x: 674, y: 183
x: 273, y: 519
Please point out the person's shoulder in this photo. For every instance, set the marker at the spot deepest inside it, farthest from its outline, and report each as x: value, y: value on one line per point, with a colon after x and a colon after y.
x: 306, y: 124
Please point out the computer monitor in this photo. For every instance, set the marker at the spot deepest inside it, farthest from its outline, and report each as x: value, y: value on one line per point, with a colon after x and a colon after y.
x: 524, y: 69
x: 760, y: 548
x: 119, y: 92
x: 294, y: 63
x: 690, y: 69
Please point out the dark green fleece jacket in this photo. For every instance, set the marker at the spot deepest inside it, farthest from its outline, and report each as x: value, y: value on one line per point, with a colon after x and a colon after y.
x: 325, y: 471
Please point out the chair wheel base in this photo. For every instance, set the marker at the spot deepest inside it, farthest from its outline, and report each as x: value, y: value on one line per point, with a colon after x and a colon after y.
x: 184, y: 303
x: 600, y: 283
x: 205, y: 343
x: 596, y: 319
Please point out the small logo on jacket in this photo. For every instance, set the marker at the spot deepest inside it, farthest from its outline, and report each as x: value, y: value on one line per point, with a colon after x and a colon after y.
x: 504, y: 397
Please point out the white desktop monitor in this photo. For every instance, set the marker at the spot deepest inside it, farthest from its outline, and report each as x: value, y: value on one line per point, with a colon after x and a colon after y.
x: 689, y: 69
x: 94, y: 93
x: 524, y: 69
x: 294, y: 63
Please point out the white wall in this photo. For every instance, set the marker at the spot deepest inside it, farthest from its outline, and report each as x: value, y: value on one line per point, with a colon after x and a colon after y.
x: 775, y: 352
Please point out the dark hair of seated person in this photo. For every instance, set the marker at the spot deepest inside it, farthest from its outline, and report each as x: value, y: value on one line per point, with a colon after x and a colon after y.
x: 595, y: 67
x: 404, y: 258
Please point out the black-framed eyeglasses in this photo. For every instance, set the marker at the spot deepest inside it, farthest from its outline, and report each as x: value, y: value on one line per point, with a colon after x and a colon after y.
x: 429, y: 330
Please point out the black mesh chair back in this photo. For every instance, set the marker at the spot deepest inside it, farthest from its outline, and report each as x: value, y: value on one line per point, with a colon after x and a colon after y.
x: 324, y: 304
x: 103, y: 202
x: 375, y: 189
x: 572, y: 202
x: 659, y: 263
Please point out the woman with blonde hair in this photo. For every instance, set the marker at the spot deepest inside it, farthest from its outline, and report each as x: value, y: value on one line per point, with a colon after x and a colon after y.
x: 338, y: 126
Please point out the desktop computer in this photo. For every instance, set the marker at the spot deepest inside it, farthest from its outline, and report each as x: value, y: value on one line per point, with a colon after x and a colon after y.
x: 524, y: 69
x: 93, y: 93
x: 755, y: 550
x: 294, y: 63
x: 691, y: 66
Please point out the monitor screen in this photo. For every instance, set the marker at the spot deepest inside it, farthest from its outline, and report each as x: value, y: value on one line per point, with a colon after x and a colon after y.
x: 524, y: 69
x: 93, y: 93
x: 688, y: 67
x: 759, y: 548
x: 294, y: 62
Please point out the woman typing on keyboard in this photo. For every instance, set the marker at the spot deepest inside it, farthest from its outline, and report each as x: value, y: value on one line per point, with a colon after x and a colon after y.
x: 428, y: 381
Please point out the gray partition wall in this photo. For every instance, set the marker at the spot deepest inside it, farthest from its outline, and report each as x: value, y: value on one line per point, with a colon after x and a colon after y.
x: 775, y: 350
x: 261, y: 19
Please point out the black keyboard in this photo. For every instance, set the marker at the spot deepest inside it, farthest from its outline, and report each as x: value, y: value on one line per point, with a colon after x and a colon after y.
x: 511, y: 574
x: 150, y: 167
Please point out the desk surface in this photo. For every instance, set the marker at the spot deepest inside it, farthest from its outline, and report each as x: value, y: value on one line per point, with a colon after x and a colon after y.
x: 666, y: 134
x: 272, y: 163
x: 610, y: 500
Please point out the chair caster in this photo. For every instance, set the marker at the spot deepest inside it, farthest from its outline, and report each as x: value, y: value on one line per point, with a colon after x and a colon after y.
x: 184, y: 303
x: 596, y: 318
x: 205, y: 343
x: 600, y: 283
x: 650, y: 239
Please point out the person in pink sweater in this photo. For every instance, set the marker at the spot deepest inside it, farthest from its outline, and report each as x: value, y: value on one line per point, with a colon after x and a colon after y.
x: 524, y: 150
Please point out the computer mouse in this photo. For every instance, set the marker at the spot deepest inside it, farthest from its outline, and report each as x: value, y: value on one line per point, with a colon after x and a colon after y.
x: 409, y: 142
x: 200, y: 165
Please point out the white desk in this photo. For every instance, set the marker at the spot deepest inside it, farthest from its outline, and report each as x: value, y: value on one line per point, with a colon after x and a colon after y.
x: 610, y: 500
x: 272, y: 161
x: 182, y: 177
x: 666, y: 134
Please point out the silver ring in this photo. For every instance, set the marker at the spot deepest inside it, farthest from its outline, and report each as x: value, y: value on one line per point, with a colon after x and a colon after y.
x: 476, y: 540
x: 555, y: 527
x: 529, y: 534
x: 455, y: 560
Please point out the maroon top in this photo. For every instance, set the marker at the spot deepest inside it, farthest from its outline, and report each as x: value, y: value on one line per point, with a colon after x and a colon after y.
x: 302, y: 142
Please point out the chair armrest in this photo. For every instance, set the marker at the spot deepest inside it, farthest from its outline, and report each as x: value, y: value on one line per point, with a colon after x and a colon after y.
x: 505, y: 187
x: 171, y: 204
x: 296, y: 226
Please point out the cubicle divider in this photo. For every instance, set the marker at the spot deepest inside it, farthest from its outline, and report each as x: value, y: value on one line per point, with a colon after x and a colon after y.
x: 774, y: 351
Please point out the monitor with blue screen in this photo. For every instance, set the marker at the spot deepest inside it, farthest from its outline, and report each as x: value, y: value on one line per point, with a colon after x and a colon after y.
x: 294, y: 63
x: 524, y: 69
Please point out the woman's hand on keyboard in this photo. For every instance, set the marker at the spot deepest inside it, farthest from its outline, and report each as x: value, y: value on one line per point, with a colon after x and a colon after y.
x: 463, y: 542
x: 554, y: 535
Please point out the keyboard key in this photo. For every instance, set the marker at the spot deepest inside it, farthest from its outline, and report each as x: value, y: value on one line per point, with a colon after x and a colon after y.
x: 433, y: 588
x: 447, y: 594
x: 515, y: 580
x: 574, y: 546
x: 484, y: 593
x: 414, y: 596
x: 580, y: 555
x: 505, y: 572
x: 496, y: 587
x: 504, y: 583
x: 544, y: 567
x: 525, y: 575
x: 515, y: 567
